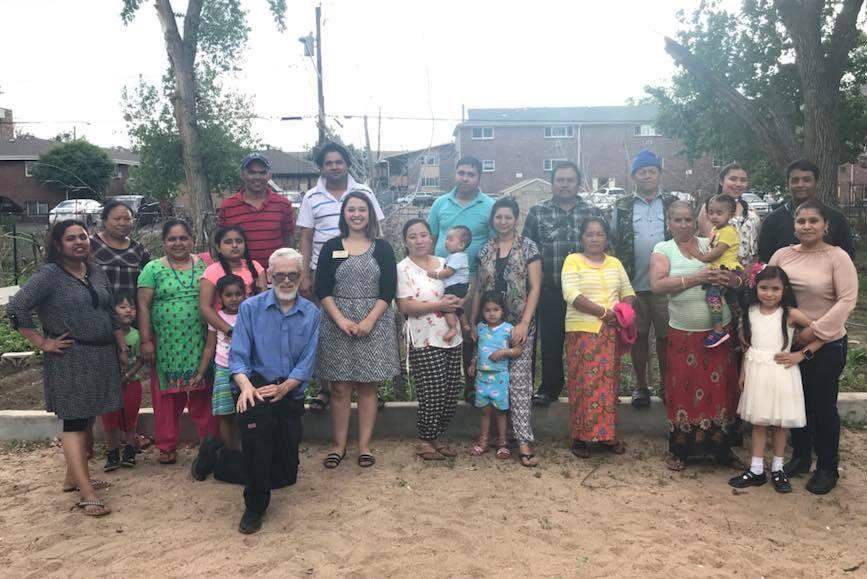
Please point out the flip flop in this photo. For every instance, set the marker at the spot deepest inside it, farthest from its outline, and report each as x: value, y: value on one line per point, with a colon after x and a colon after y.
x: 580, y: 449
x: 446, y: 451
x: 97, y: 484
x: 85, y: 504
x: 675, y: 464
x: 428, y: 454
x: 332, y: 460
x: 528, y: 460
x: 366, y: 460
x: 503, y: 453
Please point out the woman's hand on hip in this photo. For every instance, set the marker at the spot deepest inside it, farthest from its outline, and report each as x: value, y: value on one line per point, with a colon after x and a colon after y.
x: 56, y: 345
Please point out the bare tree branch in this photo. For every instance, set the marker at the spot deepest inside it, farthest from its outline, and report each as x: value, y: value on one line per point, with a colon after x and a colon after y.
x: 843, y: 38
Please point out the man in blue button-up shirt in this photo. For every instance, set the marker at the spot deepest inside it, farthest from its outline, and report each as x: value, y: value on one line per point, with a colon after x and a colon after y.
x: 272, y: 358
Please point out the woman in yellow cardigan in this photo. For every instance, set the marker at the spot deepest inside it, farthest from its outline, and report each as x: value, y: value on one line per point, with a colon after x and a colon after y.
x: 593, y: 283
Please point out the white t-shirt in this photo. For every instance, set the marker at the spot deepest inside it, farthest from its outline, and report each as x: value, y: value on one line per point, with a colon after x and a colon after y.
x: 427, y: 330
x: 320, y: 211
x: 460, y: 262
x: 221, y: 356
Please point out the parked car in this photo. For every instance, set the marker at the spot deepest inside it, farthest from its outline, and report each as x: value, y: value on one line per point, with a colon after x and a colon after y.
x: 423, y: 199
x: 613, y: 191
x: 85, y: 210
x: 147, y: 209
x: 756, y: 203
x: 9, y: 207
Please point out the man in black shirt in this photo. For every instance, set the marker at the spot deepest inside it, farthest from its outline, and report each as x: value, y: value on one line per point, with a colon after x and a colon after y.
x: 778, y: 229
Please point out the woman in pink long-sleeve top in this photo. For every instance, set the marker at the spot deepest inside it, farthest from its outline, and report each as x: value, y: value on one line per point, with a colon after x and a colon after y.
x: 826, y: 287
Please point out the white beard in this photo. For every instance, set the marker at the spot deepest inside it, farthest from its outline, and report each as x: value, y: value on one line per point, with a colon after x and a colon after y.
x: 286, y: 296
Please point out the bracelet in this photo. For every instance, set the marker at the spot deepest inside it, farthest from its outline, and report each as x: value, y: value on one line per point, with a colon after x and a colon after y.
x: 604, y: 313
x: 682, y: 282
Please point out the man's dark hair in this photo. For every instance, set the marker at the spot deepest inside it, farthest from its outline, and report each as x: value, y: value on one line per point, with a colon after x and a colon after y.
x: 466, y: 234
x: 332, y: 147
x: 565, y: 165
x: 803, y: 165
x: 471, y: 161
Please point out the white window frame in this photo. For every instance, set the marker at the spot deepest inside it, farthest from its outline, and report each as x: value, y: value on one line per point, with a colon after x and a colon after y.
x: 549, y: 164
x: 645, y: 130
x: 28, y: 168
x: 482, y: 133
x: 430, y: 182
x: 489, y: 165
x: 428, y: 160
x: 560, y: 132
x: 39, y: 205
x: 118, y: 174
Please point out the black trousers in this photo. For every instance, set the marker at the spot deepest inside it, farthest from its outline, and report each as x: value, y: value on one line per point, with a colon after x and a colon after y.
x: 270, y: 436
x: 552, y: 335
x: 821, y: 379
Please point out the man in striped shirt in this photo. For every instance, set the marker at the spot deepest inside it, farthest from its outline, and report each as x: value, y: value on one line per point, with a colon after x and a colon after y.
x: 266, y: 217
x: 320, y: 208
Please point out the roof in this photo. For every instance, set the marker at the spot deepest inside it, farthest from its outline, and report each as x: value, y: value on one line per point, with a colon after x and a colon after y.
x: 536, y: 181
x: 422, y: 150
x: 548, y: 115
x: 31, y: 148
x: 289, y: 163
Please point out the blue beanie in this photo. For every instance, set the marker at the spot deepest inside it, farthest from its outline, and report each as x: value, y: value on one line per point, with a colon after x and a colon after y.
x: 645, y: 158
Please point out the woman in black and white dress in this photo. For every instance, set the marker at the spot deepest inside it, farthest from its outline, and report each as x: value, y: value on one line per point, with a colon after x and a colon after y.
x: 356, y: 279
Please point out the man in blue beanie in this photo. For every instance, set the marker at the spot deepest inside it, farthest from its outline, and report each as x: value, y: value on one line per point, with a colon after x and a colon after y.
x: 638, y: 223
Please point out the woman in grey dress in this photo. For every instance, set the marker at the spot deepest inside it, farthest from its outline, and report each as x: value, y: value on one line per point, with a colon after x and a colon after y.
x: 82, y: 344
x: 356, y: 279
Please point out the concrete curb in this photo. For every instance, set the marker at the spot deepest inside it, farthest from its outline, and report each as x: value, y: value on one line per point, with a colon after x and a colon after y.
x: 398, y: 421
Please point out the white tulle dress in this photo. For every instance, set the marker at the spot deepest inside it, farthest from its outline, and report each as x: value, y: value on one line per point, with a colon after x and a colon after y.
x: 772, y: 395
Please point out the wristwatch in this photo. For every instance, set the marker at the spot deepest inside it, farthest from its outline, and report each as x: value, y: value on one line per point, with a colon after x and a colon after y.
x: 807, y: 353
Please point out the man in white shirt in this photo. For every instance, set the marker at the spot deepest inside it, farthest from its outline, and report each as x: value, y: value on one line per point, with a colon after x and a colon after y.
x: 318, y: 218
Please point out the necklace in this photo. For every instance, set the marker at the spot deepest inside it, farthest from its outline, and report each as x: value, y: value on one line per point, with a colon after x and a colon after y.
x: 178, y: 278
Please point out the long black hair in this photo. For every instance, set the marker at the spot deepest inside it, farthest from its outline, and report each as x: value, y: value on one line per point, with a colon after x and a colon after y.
x: 227, y: 269
x: 53, y: 252
x: 495, y: 297
x: 751, y: 298
x: 735, y: 166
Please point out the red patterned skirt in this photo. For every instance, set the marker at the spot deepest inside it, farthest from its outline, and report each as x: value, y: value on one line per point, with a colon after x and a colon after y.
x: 701, y: 395
x: 593, y: 382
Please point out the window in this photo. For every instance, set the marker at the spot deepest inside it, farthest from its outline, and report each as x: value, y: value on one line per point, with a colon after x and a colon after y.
x: 28, y: 168
x: 428, y: 160
x: 549, y: 164
x: 645, y: 131
x: 483, y: 133
x: 488, y: 166
x: 430, y: 182
x: 560, y: 132
x: 36, y: 207
x: 118, y: 174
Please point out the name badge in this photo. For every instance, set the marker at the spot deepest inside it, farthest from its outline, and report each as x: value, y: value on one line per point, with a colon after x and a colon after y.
x: 339, y: 254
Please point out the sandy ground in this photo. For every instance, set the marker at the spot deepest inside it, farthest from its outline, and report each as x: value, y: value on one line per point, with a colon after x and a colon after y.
x: 609, y: 516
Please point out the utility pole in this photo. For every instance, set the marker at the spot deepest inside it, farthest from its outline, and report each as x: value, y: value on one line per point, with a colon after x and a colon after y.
x: 321, y: 119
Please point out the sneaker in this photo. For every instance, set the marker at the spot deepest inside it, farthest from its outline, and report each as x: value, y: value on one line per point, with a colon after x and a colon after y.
x: 641, y: 397
x: 781, y: 482
x: 112, y: 460
x: 748, y: 479
x: 714, y: 339
x: 205, y: 461
x: 127, y: 457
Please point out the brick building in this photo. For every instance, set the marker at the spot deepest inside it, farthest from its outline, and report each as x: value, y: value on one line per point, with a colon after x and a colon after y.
x: 16, y: 161
x: 428, y: 170
x: 291, y: 171
x: 525, y: 143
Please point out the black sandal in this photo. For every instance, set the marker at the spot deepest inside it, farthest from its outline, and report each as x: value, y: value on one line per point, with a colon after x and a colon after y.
x: 366, y: 460
x: 320, y: 402
x: 333, y: 460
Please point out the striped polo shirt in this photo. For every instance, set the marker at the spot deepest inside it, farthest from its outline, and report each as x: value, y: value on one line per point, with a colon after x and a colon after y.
x: 266, y: 228
x: 320, y: 211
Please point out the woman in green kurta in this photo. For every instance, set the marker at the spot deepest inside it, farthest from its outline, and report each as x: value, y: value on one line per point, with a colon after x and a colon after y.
x: 168, y: 293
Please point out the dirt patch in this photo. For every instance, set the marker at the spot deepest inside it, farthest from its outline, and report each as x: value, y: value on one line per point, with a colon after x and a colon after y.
x: 610, y: 516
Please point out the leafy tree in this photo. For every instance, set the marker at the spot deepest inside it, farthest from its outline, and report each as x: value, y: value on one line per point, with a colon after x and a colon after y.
x: 77, y: 168
x: 224, y: 130
x: 774, y: 81
x: 206, y: 40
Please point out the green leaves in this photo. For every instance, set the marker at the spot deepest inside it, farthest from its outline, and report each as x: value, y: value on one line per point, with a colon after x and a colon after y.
x: 77, y: 168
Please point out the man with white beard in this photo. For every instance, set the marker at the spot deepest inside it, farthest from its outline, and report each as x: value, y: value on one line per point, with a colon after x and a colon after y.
x: 272, y: 359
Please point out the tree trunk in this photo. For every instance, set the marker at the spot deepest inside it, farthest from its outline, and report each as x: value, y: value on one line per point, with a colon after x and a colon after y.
x: 182, y: 57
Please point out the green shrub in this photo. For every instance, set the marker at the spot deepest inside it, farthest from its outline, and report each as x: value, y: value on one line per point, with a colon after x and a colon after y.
x: 11, y: 340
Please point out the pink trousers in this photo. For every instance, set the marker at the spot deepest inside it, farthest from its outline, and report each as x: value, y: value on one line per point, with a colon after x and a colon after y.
x: 168, y: 409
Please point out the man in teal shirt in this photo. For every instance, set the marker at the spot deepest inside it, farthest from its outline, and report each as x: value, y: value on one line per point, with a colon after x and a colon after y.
x: 464, y: 205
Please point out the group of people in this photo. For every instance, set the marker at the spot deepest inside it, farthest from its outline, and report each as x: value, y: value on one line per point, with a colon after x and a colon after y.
x: 236, y: 337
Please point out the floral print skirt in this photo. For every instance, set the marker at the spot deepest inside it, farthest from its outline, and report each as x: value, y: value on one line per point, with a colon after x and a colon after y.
x: 593, y: 378
x: 701, y: 395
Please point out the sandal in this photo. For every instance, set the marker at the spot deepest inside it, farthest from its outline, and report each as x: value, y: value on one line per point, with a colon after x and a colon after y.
x: 675, y: 464
x: 480, y: 447
x: 366, y: 460
x: 332, y: 460
x: 616, y: 447
x: 168, y: 457
x: 97, y: 484
x: 446, y: 451
x: 93, y: 507
x: 143, y: 442
x: 503, y: 453
x: 320, y: 401
x: 581, y: 449
x: 528, y: 460
x: 428, y: 452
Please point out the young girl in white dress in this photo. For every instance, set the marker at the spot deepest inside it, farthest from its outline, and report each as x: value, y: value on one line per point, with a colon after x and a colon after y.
x: 771, y: 390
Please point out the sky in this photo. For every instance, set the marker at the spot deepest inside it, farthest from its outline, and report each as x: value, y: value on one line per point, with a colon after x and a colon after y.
x: 64, y: 63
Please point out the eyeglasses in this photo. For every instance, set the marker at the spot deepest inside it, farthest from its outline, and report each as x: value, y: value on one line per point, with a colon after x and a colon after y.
x: 280, y: 277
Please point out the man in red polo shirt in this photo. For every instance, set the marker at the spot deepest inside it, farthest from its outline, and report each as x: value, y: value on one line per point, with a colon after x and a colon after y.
x: 267, y: 218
